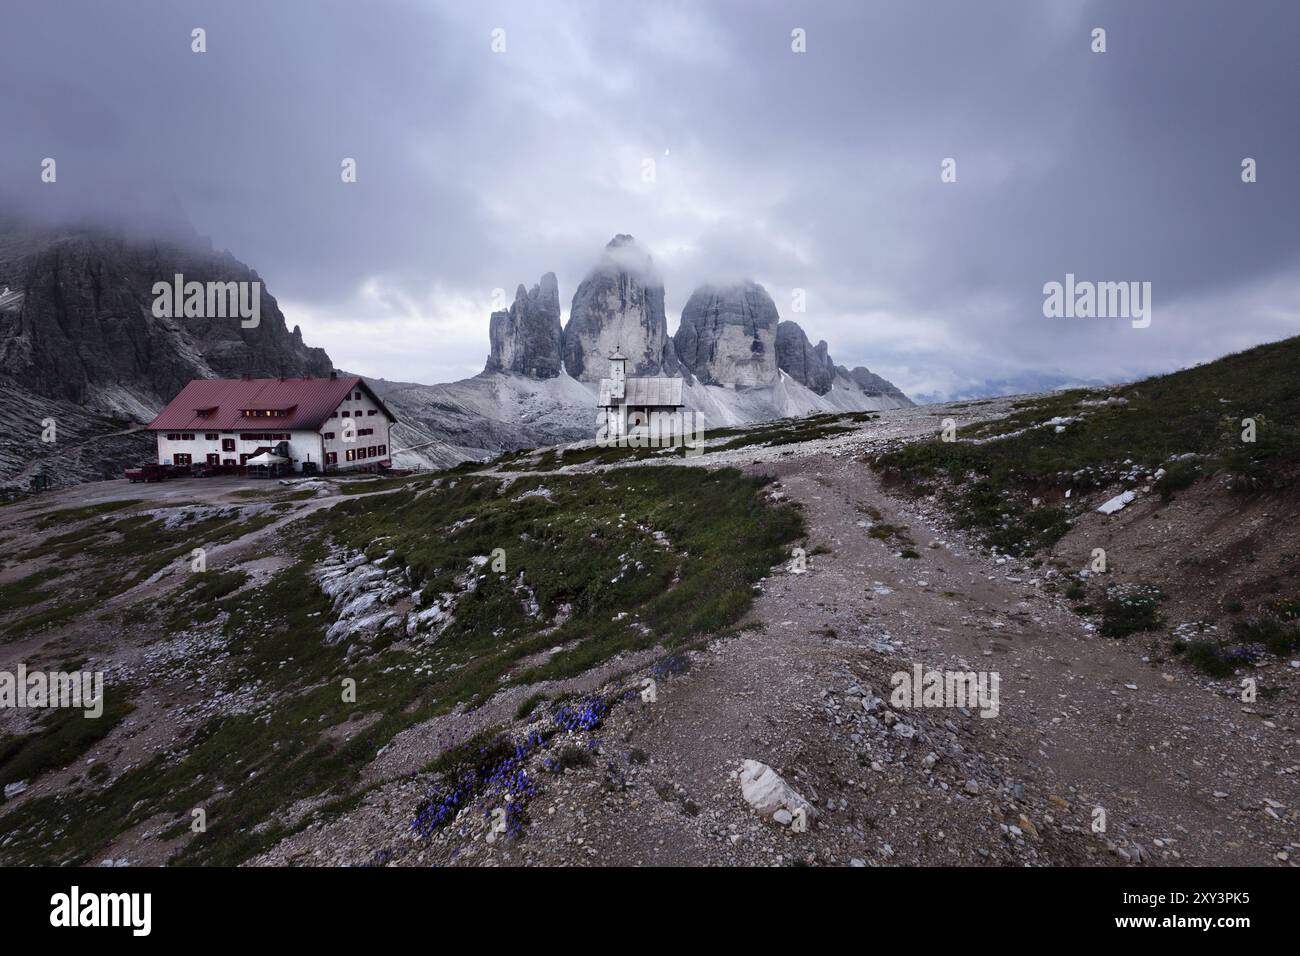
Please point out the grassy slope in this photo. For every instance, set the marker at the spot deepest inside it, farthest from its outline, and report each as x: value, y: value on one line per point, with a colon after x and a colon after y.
x: 247, y: 769
x: 1198, y: 410
x: 989, y: 486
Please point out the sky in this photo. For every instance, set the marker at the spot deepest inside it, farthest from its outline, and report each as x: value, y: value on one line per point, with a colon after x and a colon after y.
x: 495, y: 142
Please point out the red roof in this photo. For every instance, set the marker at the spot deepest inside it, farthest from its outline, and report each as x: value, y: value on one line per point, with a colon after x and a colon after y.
x: 306, y: 402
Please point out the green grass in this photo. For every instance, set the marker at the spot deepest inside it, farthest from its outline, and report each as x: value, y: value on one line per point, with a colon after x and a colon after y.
x: 365, y: 486
x: 1277, y: 636
x: 71, y: 515
x: 570, y: 757
x: 581, y: 549
x: 122, y: 553
x: 1179, y: 476
x: 246, y: 769
x: 62, y: 737
x: 786, y: 431
x: 1129, y: 610
x: 1197, y: 410
x: 196, y: 601
x: 48, y: 617
x: 783, y: 432
x: 525, y: 709
x: 35, y: 588
x: 1206, y: 656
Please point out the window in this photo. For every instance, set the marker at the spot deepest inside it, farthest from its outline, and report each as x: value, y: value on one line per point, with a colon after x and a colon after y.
x: 352, y: 454
x: 227, y: 444
x: 346, y: 414
x: 328, y: 436
x: 187, y: 436
x: 181, y: 460
x: 334, y: 414
x: 361, y: 452
x: 365, y: 431
x: 383, y: 449
x: 357, y: 397
x: 331, y: 458
x: 374, y: 451
x: 214, y: 458
x: 372, y: 411
x: 211, y: 436
x: 228, y: 461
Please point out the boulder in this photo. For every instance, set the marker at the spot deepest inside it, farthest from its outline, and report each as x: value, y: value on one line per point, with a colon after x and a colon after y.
x: 767, y: 792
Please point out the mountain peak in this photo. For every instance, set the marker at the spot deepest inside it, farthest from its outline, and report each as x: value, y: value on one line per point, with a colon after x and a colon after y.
x: 727, y: 335
x: 526, y: 337
x: 620, y: 304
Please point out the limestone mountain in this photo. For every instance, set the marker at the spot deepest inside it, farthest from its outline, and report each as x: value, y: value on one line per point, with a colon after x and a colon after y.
x: 807, y: 364
x: 873, y: 384
x: 79, y: 343
x: 619, y: 305
x: 727, y: 335
x: 83, y: 328
x: 526, y: 338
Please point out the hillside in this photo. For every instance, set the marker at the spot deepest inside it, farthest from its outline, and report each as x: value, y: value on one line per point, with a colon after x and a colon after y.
x: 1201, y: 467
x: 583, y: 645
x: 493, y: 412
x: 79, y: 342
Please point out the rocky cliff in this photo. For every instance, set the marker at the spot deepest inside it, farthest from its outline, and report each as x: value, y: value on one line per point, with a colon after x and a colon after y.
x: 526, y: 339
x: 79, y: 343
x: 807, y: 364
x: 873, y: 384
x: 728, y: 335
x: 84, y: 330
x: 620, y: 304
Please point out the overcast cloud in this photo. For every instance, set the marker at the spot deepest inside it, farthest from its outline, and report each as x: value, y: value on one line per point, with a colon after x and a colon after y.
x: 820, y: 171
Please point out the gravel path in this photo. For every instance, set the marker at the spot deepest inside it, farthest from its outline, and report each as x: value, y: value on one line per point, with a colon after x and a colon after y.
x: 1183, y: 775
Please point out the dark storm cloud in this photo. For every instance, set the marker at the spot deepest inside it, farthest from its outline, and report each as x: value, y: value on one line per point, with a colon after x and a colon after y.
x: 817, y: 171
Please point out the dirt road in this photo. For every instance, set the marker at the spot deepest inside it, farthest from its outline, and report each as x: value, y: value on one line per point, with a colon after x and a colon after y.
x: 1095, y: 756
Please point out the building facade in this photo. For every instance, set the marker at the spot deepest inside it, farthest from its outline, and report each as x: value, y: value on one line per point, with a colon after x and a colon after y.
x: 326, y: 424
x: 627, y: 404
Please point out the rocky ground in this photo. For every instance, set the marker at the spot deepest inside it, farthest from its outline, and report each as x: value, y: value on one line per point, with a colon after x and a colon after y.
x: 1098, y: 755
x: 779, y: 742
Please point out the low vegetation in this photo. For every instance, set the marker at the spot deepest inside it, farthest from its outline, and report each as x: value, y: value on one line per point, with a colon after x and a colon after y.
x: 1130, y: 609
x: 615, y: 562
x: 1086, y: 439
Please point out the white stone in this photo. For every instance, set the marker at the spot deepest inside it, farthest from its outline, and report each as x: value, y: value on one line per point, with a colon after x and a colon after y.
x: 767, y: 792
x: 1118, y: 502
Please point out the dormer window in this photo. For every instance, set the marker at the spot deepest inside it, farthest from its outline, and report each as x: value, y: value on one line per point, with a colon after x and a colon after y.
x: 267, y: 412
